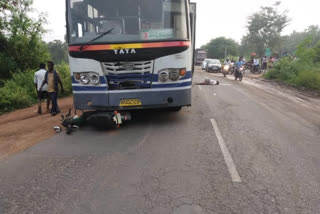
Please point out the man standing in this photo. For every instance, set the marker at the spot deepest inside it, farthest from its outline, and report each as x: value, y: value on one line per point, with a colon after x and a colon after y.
x: 52, y: 78
x: 264, y: 64
x: 38, y: 79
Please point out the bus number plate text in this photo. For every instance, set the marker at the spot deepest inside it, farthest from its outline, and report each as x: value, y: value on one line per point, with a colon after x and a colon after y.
x: 130, y: 102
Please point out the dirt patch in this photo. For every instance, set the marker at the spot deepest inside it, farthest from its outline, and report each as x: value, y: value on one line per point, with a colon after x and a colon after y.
x: 23, y: 128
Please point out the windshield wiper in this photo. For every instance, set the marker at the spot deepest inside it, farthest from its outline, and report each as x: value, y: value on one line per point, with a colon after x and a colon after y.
x: 98, y: 37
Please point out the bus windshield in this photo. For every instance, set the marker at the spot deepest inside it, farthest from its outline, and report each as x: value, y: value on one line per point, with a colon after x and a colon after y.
x: 127, y: 21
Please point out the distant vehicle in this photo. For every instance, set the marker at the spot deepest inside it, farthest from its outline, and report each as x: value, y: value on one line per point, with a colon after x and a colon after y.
x: 200, y: 55
x: 204, y: 64
x: 213, y: 65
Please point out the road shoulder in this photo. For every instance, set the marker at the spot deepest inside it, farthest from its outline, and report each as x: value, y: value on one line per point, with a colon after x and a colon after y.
x: 24, y: 128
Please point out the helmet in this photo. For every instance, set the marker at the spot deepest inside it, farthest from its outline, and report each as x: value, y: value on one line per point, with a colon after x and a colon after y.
x: 57, y: 129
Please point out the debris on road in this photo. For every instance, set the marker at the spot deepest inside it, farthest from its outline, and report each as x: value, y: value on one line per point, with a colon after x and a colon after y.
x: 57, y: 129
x: 70, y: 122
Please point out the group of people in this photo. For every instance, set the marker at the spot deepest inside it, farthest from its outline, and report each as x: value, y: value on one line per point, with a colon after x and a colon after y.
x: 266, y: 62
x: 46, y: 83
x: 237, y: 64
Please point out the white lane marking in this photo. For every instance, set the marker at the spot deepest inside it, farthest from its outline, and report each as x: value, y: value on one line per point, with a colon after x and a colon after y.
x: 226, y: 154
x: 225, y: 84
x: 200, y: 87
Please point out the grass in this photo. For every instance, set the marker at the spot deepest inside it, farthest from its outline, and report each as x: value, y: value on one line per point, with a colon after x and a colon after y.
x: 19, y: 91
x: 296, y: 73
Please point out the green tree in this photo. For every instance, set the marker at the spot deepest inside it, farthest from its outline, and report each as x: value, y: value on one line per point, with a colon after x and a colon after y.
x: 294, y: 39
x: 246, y: 47
x: 316, y: 58
x: 58, y: 51
x: 220, y: 47
x: 265, y: 27
x: 21, y: 46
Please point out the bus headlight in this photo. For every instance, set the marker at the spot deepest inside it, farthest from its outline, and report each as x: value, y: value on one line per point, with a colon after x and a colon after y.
x: 77, y: 76
x: 85, y: 78
x: 174, y: 75
x: 95, y: 79
x: 163, y: 76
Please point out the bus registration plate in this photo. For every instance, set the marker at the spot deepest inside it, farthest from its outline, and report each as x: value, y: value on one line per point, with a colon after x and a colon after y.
x: 130, y: 102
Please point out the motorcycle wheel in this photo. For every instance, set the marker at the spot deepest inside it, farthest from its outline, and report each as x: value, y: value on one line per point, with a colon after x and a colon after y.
x: 240, y: 78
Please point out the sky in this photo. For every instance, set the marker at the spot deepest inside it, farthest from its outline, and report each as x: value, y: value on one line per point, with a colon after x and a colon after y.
x: 214, y: 18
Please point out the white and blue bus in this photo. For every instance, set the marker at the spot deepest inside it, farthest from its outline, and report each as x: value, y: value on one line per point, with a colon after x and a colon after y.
x: 131, y: 54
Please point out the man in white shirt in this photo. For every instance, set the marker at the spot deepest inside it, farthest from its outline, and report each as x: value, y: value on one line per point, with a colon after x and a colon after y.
x: 42, y: 94
x: 227, y: 62
x: 256, y: 64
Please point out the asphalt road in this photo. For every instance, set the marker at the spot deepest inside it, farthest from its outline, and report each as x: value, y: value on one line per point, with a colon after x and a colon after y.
x: 241, y: 148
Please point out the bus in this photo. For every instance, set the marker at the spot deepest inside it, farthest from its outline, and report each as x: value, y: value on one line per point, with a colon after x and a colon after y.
x: 200, y: 55
x: 131, y: 54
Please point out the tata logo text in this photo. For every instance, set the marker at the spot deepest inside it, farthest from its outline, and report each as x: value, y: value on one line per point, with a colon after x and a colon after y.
x: 125, y: 51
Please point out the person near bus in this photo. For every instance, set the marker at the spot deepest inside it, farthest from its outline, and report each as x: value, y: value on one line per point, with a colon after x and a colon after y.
x: 52, y: 78
x: 41, y: 93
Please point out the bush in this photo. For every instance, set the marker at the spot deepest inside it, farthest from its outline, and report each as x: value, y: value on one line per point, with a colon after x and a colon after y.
x: 19, y: 91
x: 302, y: 72
x: 309, y: 79
x: 64, y: 71
x: 296, y: 73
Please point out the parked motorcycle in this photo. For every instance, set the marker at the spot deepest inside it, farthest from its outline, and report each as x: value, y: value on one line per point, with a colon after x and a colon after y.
x: 238, y: 74
x: 255, y: 69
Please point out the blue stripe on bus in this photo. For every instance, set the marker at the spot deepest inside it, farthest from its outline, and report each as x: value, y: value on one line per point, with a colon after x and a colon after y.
x: 187, y: 76
x: 102, y: 80
x: 154, y: 77
x: 124, y: 76
x: 172, y: 85
x: 93, y: 88
x: 89, y: 88
x: 145, y: 85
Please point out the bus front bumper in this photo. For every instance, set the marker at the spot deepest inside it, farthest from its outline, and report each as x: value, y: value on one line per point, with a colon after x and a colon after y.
x: 150, y: 98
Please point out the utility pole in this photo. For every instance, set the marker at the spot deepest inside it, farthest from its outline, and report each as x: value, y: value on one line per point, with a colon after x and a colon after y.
x: 225, y: 52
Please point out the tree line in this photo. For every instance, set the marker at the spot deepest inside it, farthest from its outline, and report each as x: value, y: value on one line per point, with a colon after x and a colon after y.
x: 22, y: 49
x: 264, y: 30
x: 21, y: 39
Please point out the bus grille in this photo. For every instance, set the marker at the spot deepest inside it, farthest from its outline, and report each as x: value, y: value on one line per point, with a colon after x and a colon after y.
x: 128, y: 75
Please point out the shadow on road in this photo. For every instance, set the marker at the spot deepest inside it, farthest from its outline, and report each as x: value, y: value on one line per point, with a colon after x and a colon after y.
x: 141, y: 118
